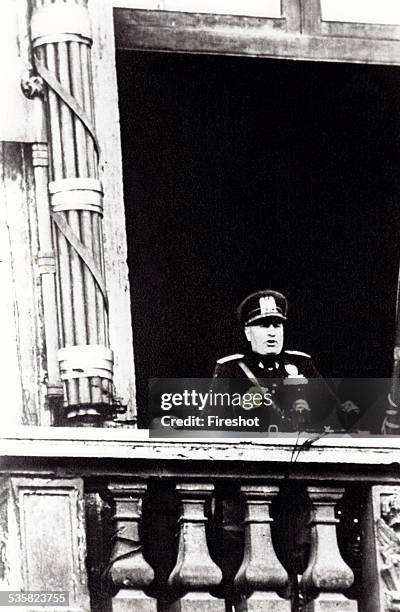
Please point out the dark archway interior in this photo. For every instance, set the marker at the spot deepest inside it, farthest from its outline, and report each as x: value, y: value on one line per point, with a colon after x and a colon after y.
x: 244, y: 173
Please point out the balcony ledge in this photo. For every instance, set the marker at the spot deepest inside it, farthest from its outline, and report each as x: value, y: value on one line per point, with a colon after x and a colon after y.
x: 135, y: 444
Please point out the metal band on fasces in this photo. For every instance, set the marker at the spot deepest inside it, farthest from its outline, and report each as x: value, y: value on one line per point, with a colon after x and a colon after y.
x: 46, y: 263
x: 83, y: 361
x: 40, y: 154
x: 58, y: 38
x: 82, y: 251
x: 69, y: 100
x: 76, y: 194
x: 60, y: 18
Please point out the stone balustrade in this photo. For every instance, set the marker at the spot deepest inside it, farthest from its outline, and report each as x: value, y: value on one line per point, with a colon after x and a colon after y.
x: 138, y: 525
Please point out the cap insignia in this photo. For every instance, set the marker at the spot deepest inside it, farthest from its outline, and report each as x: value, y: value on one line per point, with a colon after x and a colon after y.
x: 268, y: 305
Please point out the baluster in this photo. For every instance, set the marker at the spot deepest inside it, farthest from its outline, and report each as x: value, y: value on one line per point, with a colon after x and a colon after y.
x: 327, y: 575
x: 128, y: 568
x: 261, y: 573
x: 195, y: 573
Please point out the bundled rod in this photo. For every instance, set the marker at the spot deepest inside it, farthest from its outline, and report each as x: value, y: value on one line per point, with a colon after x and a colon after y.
x: 61, y: 38
x: 46, y: 255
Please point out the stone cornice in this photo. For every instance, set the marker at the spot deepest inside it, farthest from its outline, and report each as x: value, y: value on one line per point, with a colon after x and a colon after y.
x: 83, y: 443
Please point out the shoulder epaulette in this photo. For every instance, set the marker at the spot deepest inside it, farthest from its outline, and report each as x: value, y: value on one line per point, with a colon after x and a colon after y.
x: 230, y: 358
x: 298, y: 353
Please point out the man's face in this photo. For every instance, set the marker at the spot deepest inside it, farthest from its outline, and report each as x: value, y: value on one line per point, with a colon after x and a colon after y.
x: 266, y: 338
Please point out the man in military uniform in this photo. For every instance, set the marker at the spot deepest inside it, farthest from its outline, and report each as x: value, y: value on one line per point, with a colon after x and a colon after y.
x: 295, y: 396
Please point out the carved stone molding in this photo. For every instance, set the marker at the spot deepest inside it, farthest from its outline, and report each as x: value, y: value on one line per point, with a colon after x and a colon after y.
x: 390, y: 509
x: 42, y: 537
x: 386, y: 541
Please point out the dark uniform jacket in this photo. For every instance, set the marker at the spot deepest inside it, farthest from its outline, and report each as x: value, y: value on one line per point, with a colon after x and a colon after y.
x: 281, y: 379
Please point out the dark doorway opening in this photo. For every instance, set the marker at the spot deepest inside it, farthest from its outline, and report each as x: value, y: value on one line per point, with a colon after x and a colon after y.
x: 244, y: 173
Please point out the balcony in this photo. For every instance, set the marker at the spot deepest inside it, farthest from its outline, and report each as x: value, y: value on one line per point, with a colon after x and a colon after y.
x: 123, y: 522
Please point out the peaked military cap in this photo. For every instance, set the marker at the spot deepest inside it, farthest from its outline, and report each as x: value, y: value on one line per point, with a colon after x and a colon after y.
x: 262, y: 305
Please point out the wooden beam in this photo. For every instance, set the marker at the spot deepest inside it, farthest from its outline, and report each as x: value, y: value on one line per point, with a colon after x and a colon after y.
x: 310, y: 16
x: 291, y: 13
x: 115, y: 246
x: 23, y: 360
x: 360, y: 30
x: 195, y: 33
x: 169, y: 19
